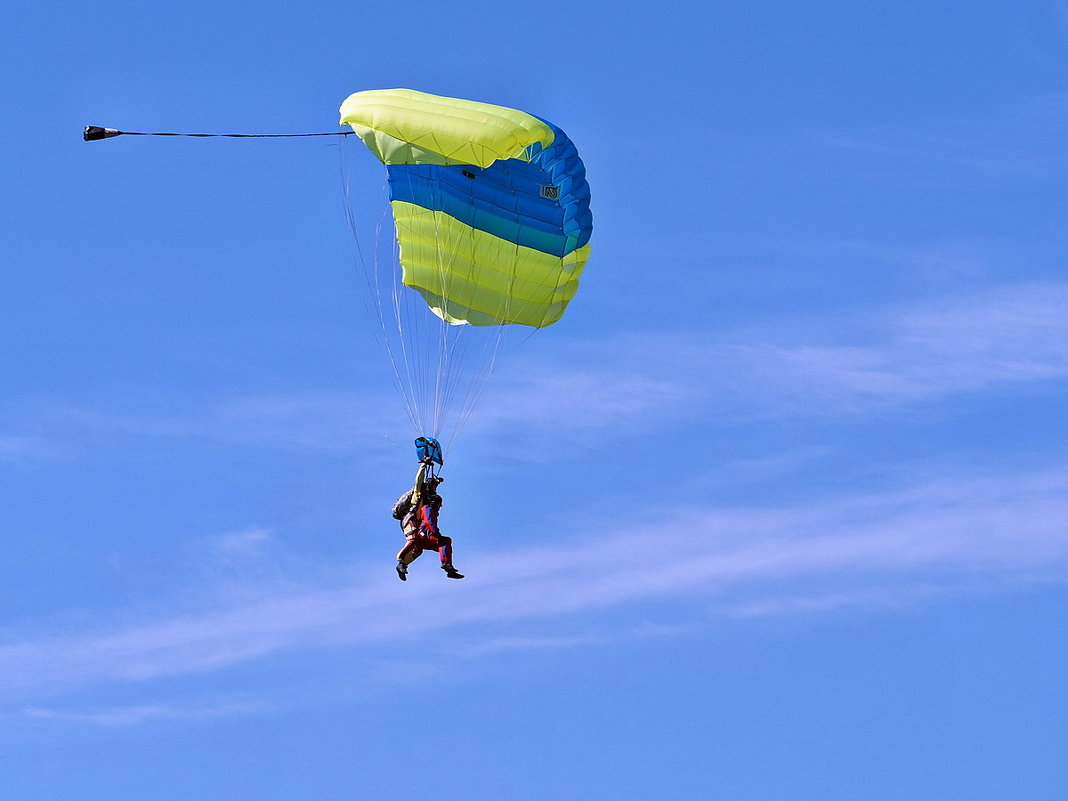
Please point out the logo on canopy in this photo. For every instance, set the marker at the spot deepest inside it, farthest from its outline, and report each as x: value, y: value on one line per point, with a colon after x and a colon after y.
x: 551, y: 192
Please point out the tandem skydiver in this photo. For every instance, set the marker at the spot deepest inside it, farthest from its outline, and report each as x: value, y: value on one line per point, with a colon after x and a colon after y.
x: 417, y: 511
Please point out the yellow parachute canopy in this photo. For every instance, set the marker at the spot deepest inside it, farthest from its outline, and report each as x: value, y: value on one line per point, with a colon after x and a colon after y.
x: 491, y: 204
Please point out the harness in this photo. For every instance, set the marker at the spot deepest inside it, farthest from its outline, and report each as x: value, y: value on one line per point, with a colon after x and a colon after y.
x: 424, y: 490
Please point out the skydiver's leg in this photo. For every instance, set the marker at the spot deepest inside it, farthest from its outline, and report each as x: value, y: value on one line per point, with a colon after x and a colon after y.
x: 413, y: 545
x: 410, y: 552
x: 445, y: 552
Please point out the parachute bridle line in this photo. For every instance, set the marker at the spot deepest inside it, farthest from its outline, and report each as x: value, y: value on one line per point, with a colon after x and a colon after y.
x: 92, y: 133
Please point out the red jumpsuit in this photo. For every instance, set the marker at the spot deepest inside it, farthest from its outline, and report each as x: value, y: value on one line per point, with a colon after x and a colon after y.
x: 422, y: 532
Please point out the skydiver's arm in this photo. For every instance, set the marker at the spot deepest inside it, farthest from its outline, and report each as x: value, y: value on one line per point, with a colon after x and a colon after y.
x: 420, y: 476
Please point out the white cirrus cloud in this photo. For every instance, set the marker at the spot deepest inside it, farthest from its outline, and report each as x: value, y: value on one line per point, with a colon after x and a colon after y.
x: 951, y: 346
x: 954, y: 533
x: 889, y: 358
x: 1021, y: 141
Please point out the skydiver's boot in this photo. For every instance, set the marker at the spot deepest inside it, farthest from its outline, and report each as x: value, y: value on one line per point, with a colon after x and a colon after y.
x: 402, y: 571
x: 451, y: 571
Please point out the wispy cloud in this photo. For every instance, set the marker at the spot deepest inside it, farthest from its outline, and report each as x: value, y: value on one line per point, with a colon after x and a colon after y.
x: 862, y: 363
x: 118, y: 716
x: 321, y: 422
x: 318, y: 421
x: 27, y: 450
x: 1022, y: 141
x: 248, y: 543
x: 945, y: 346
x: 826, y: 554
x: 871, y: 363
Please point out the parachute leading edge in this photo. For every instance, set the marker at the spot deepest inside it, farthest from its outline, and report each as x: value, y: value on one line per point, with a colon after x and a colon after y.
x: 491, y: 204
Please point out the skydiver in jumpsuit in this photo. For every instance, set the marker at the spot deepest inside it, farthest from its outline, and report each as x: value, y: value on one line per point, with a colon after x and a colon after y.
x: 417, y: 510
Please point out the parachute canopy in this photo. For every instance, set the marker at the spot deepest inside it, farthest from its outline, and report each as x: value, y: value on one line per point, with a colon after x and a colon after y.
x: 490, y: 204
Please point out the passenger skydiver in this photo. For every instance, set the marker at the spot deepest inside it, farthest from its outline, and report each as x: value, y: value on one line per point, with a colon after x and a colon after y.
x: 417, y: 511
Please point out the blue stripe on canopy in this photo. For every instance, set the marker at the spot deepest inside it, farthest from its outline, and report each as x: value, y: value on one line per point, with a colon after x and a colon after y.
x: 508, y: 198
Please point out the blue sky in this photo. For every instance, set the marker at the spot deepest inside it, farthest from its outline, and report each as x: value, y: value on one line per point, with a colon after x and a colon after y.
x: 778, y: 510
